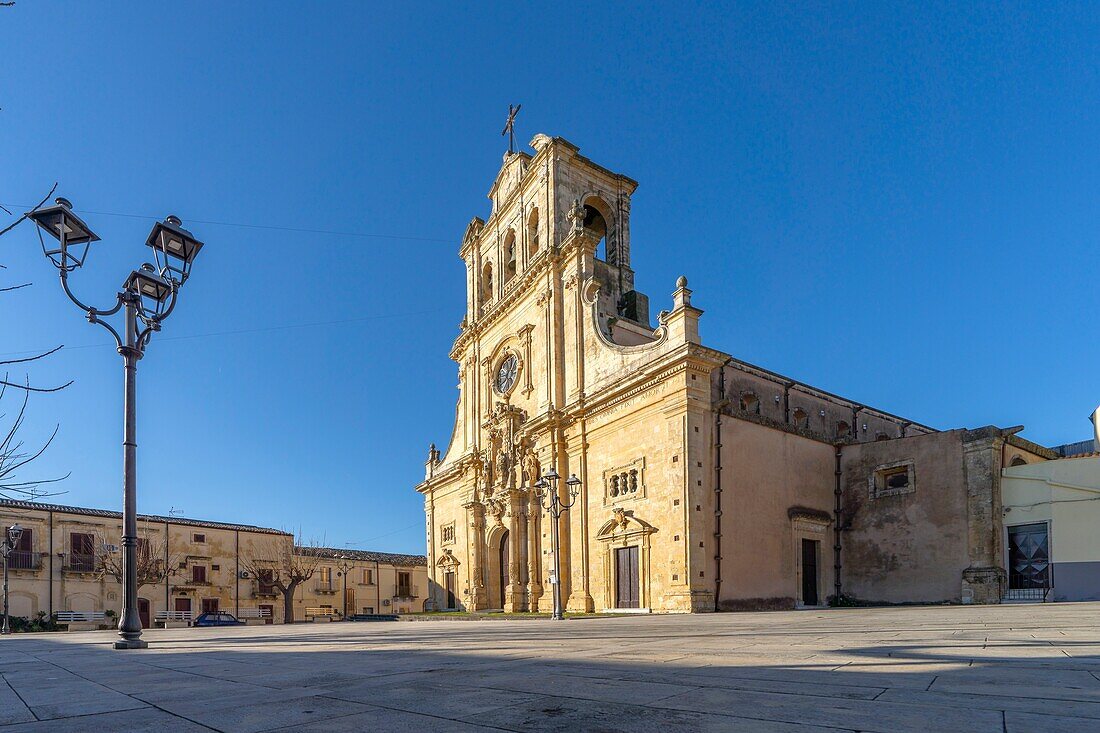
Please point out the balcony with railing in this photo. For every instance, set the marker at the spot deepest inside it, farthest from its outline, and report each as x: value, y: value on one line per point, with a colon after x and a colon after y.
x: 24, y: 560
x: 80, y: 563
x: 323, y: 587
x: 406, y: 591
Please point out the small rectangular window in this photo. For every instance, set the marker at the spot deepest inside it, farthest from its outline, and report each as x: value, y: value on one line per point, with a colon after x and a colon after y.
x: 199, y: 538
x: 368, y: 576
x: 198, y: 573
x: 893, y: 479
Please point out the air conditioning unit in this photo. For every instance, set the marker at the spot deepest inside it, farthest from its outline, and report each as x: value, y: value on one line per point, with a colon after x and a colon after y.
x: 385, y: 601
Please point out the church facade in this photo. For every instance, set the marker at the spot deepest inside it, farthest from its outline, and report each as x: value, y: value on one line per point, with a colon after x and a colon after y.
x: 706, y: 483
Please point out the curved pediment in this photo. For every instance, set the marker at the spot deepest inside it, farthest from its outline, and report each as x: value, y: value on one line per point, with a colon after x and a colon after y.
x: 623, y: 522
x: 447, y: 560
x: 509, y: 177
x: 473, y: 230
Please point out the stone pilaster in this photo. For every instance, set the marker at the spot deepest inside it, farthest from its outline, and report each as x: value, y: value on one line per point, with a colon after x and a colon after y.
x: 983, y: 581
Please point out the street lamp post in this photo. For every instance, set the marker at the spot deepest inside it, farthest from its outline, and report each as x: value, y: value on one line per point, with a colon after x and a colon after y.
x: 546, y: 489
x: 147, y: 298
x: 345, y: 566
x: 7, y: 546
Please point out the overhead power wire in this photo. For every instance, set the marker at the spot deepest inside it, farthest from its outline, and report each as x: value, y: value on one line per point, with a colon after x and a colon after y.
x: 282, y: 327
x: 265, y: 227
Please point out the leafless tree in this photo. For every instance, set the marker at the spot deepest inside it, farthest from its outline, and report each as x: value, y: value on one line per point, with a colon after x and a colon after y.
x: 14, y: 455
x: 154, y: 562
x: 283, y: 566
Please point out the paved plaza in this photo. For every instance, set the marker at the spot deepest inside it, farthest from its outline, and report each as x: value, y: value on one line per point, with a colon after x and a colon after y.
x: 962, y: 669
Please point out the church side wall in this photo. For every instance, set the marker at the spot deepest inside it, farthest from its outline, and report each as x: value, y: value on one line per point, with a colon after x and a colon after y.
x: 767, y: 473
x: 909, y: 546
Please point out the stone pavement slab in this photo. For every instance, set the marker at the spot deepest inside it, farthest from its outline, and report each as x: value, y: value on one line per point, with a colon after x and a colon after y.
x: 1002, y: 669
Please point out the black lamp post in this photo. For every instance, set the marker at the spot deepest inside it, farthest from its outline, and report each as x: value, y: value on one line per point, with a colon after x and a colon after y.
x: 7, y: 546
x: 345, y: 565
x: 147, y: 298
x: 546, y: 489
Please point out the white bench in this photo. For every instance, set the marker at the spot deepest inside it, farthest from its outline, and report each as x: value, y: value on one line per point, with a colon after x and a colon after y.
x: 321, y: 613
x: 255, y: 613
x: 71, y: 617
x: 173, y: 616
x: 81, y: 620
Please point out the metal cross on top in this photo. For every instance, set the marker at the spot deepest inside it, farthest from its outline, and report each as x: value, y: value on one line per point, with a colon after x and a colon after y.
x: 509, y: 127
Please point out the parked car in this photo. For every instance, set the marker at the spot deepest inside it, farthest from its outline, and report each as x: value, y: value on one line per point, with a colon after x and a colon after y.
x: 217, y: 618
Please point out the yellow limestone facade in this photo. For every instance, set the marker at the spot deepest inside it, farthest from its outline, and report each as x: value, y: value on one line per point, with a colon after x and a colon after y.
x: 706, y: 483
x: 559, y: 366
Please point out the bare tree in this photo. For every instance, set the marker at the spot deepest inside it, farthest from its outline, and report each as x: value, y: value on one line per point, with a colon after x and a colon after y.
x: 154, y: 562
x: 283, y: 566
x: 13, y: 453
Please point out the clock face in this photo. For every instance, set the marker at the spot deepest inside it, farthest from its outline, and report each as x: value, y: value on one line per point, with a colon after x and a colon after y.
x: 506, y: 375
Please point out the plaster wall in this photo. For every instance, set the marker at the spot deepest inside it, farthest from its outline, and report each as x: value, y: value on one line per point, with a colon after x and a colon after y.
x: 909, y: 547
x: 766, y: 473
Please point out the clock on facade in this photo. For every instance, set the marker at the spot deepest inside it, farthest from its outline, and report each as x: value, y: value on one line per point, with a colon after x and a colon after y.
x: 506, y: 375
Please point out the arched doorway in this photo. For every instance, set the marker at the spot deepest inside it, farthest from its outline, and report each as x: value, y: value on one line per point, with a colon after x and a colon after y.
x: 503, y: 567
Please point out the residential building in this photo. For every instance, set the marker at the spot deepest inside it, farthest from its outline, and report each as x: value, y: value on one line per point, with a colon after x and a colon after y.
x: 1051, y: 512
x: 371, y: 582
x: 69, y: 558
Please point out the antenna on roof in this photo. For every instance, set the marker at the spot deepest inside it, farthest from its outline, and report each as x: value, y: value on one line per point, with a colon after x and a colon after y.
x: 173, y: 512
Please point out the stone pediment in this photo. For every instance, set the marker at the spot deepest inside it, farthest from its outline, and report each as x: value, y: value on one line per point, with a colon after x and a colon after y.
x: 511, y: 173
x: 623, y: 523
x: 473, y: 230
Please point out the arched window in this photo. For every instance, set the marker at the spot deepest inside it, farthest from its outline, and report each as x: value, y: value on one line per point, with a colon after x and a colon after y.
x: 595, y: 222
x: 1018, y: 461
x: 801, y: 419
x: 509, y: 258
x: 487, y: 282
x: 842, y: 429
x: 750, y: 403
x: 881, y: 436
x: 533, y: 233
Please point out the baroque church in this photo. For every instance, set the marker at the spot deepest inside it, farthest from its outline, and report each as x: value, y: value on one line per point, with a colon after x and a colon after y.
x: 705, y: 483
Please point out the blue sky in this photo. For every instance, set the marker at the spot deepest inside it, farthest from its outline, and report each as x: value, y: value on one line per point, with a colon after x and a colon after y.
x: 896, y: 204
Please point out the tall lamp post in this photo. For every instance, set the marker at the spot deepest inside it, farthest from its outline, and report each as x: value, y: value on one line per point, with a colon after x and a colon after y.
x: 147, y: 298
x: 7, y: 546
x: 546, y: 489
x: 345, y: 565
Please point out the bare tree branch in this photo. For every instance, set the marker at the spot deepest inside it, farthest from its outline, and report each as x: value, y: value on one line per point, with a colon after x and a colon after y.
x: 43, y: 355
x: 37, y: 206
x: 283, y: 566
x: 13, y: 457
x: 154, y: 561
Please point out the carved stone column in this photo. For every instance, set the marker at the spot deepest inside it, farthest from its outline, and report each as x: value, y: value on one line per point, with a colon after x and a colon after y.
x: 534, y: 556
x: 476, y: 514
x: 513, y: 593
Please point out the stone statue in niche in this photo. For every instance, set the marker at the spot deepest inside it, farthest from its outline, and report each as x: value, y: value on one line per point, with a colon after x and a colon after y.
x: 530, y: 463
x: 505, y: 473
